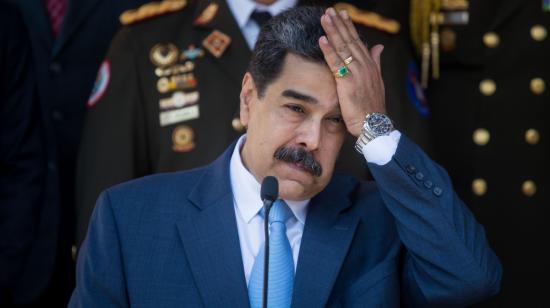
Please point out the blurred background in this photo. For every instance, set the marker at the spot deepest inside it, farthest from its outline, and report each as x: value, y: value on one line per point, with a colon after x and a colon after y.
x: 97, y: 92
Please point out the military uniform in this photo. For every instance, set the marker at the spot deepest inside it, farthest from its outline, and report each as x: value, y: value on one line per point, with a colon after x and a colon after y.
x: 167, y: 95
x: 490, y: 108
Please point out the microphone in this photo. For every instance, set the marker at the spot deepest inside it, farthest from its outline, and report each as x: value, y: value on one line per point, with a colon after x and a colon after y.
x: 269, y: 193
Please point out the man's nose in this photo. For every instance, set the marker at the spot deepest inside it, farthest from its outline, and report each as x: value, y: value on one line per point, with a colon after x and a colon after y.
x: 309, y: 134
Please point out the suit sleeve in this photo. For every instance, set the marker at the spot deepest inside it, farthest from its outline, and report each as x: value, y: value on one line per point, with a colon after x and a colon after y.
x: 448, y: 259
x: 22, y: 162
x: 100, y: 278
x: 113, y: 146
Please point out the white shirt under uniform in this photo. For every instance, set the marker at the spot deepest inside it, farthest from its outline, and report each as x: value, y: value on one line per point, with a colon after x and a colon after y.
x: 242, y: 9
x: 247, y: 201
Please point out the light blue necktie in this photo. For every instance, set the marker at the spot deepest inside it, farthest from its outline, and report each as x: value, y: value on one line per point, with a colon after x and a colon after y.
x: 281, y: 264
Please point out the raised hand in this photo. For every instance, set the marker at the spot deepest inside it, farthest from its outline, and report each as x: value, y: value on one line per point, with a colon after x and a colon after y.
x: 356, y: 69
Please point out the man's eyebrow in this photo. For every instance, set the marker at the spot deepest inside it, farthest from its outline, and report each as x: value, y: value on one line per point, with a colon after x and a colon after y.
x: 299, y: 96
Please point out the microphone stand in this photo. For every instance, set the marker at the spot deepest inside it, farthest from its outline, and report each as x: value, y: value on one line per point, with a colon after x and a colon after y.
x: 268, y: 192
x: 267, y: 208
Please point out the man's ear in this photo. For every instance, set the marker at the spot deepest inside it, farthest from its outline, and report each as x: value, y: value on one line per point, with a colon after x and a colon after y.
x: 248, y: 93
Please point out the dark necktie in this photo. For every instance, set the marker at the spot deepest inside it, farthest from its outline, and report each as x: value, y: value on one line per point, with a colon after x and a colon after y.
x: 56, y: 12
x: 260, y: 17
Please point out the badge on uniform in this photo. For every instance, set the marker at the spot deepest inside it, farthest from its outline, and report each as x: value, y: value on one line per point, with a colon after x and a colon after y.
x: 101, y: 82
x: 179, y: 115
x: 216, y: 43
x: 191, y: 53
x: 179, y: 99
x: 207, y: 15
x: 164, y: 54
x: 182, y: 139
x: 177, y: 82
x: 187, y: 67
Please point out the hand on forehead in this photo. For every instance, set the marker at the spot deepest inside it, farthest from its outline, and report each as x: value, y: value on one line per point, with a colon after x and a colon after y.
x: 357, y: 69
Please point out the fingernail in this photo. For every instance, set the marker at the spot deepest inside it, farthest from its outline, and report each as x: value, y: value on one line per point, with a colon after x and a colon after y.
x: 344, y: 14
x: 324, y: 39
x: 331, y: 12
x: 327, y: 19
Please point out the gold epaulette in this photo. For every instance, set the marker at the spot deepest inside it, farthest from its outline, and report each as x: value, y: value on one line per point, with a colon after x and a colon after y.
x: 150, y: 10
x: 369, y: 19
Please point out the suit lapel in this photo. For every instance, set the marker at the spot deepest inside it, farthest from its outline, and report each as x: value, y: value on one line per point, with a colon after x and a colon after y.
x: 211, y: 240
x: 325, y: 242
x: 76, y: 13
x: 234, y: 60
x: 34, y: 13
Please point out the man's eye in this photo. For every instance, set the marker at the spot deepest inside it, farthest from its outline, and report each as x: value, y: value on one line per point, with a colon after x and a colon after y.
x: 295, y: 108
x: 337, y: 120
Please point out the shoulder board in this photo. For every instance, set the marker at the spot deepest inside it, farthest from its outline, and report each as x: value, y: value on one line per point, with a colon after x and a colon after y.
x: 369, y: 19
x: 150, y: 10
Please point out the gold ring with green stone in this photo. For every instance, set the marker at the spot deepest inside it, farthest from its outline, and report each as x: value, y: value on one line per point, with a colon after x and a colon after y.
x: 341, y: 71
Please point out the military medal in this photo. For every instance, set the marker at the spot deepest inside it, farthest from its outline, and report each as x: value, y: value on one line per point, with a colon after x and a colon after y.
x: 187, y: 67
x: 216, y: 42
x: 164, y: 54
x: 191, y: 53
x: 179, y: 99
x: 182, y: 82
x: 182, y: 139
x: 179, y: 115
x: 207, y: 15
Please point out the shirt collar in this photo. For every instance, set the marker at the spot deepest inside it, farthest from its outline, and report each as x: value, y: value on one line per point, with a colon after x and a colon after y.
x: 246, y: 190
x: 242, y: 9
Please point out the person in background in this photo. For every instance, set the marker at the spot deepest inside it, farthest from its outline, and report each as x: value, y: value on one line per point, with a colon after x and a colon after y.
x: 487, y: 89
x: 68, y: 41
x: 22, y: 159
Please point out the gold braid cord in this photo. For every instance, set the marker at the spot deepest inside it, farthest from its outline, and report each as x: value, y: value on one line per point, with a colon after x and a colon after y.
x: 150, y: 10
x: 424, y: 26
x: 369, y: 19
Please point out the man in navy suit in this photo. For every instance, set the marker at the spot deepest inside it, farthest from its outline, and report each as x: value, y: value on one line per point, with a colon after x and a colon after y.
x: 191, y: 238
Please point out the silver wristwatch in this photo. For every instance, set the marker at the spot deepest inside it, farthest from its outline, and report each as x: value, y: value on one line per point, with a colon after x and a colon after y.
x: 375, y: 125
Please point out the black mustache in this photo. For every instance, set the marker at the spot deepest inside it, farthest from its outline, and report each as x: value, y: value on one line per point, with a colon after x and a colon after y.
x: 299, y: 156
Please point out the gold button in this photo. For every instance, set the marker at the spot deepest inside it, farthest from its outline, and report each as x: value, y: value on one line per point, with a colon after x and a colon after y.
x: 237, y: 125
x: 487, y: 87
x: 481, y: 136
x: 532, y: 136
x: 491, y: 39
x: 529, y: 188
x: 479, y: 187
x: 74, y: 251
x: 537, y: 86
x: 448, y: 39
x: 538, y: 33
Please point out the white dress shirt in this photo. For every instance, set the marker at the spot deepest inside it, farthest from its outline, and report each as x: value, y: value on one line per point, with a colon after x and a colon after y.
x: 247, y: 201
x: 242, y: 9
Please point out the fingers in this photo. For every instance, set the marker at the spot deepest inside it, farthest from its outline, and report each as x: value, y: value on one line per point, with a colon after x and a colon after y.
x: 375, y: 53
x: 352, y: 31
x: 331, y: 57
x: 340, y: 36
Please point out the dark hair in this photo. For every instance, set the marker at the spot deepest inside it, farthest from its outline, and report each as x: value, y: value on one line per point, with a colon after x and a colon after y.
x: 297, y: 31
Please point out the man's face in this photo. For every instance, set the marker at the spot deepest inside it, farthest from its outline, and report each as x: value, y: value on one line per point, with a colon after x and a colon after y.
x: 295, y: 130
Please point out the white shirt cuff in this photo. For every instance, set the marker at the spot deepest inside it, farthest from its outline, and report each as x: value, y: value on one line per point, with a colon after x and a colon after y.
x: 380, y: 150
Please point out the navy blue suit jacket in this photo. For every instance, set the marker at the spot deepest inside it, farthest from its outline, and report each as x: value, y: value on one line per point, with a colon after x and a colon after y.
x: 171, y: 240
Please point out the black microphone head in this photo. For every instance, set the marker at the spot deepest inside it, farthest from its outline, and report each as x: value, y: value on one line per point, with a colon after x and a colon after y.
x: 270, y: 188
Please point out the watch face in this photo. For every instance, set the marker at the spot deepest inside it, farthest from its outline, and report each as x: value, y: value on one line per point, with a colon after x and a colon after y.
x: 378, y: 124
